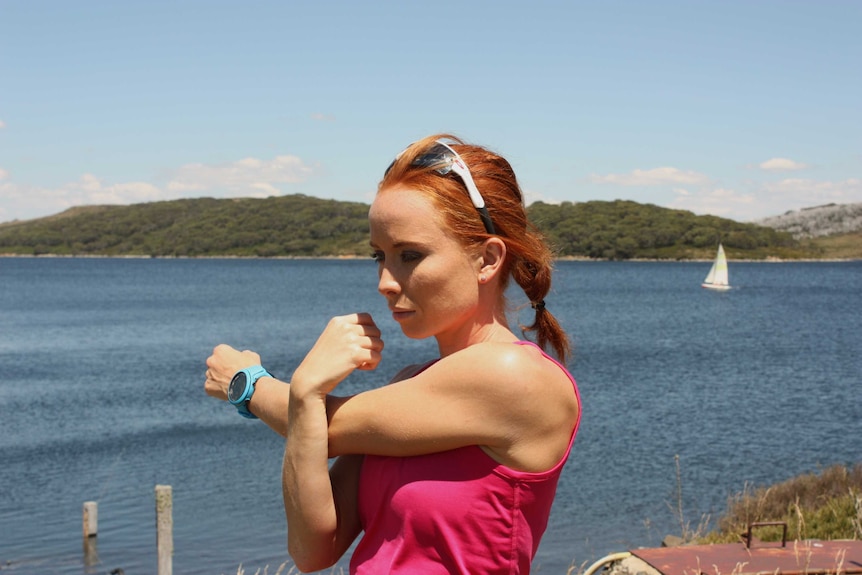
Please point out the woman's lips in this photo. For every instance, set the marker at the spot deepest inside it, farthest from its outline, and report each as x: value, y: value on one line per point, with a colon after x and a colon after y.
x: 401, y: 314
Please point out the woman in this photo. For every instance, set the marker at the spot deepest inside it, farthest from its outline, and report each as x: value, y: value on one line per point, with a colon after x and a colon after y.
x: 452, y: 468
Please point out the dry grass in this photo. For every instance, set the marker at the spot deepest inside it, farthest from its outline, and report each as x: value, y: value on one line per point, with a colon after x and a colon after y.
x: 686, y: 533
x: 827, y: 506
x: 241, y: 571
x: 845, y: 246
x: 291, y: 570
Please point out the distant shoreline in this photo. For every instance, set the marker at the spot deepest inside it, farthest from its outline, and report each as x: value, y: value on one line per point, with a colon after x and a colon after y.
x: 774, y: 260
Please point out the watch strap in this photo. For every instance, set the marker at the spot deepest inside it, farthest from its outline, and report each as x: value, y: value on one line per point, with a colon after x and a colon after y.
x: 252, y: 374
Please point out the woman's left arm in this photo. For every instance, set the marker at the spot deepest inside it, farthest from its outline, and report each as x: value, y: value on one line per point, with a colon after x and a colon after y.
x: 321, y: 509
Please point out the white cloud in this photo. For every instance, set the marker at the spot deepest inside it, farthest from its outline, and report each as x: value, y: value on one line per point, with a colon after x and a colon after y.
x: 719, y: 201
x: 781, y: 165
x: 322, y: 117
x: 265, y: 188
x: 87, y: 183
x: 24, y: 201
x: 2, y: 124
x: 768, y: 199
x: 247, y: 177
x: 744, y: 201
x: 802, y: 193
x: 91, y: 190
x: 653, y: 177
x: 182, y: 188
x: 532, y: 196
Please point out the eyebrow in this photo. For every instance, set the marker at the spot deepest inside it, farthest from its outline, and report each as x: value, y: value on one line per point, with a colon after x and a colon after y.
x: 404, y: 244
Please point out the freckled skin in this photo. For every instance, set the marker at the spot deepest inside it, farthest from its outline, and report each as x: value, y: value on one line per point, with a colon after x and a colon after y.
x: 428, y: 279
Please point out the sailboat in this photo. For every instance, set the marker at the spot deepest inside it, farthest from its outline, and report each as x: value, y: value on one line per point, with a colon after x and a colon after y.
x: 717, y: 276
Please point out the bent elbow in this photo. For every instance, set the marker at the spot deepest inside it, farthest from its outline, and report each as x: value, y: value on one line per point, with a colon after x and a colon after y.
x: 306, y: 562
x: 308, y: 566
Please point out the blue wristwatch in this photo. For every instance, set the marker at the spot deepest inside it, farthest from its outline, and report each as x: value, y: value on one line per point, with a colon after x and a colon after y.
x: 241, y: 388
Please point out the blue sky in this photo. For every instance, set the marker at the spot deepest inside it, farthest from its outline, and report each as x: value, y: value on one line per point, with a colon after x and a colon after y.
x: 738, y: 109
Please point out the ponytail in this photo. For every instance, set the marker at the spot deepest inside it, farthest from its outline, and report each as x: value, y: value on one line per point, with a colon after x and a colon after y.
x: 534, y: 277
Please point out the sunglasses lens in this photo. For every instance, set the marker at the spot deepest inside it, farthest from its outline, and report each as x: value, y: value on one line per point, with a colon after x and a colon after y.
x: 443, y: 159
x: 437, y: 156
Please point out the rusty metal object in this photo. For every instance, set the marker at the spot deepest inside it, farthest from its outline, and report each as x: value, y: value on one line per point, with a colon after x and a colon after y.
x: 795, y: 558
x: 749, y: 540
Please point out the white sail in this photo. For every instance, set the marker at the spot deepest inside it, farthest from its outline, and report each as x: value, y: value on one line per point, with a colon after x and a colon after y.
x: 717, y: 278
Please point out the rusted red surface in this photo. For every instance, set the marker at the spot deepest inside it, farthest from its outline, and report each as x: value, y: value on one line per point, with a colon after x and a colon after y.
x: 801, y: 557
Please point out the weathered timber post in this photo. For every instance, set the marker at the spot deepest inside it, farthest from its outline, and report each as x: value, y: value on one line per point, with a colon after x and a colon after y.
x: 91, y: 519
x: 91, y: 530
x: 164, y: 529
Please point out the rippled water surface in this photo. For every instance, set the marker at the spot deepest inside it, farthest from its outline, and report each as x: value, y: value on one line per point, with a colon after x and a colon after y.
x: 102, y: 398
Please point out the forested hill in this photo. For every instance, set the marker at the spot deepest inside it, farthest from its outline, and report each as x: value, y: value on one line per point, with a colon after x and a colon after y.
x: 626, y: 230
x: 303, y: 226
x: 293, y: 225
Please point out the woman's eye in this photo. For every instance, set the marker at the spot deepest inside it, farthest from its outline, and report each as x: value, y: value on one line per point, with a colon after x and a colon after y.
x: 377, y: 256
x: 408, y: 257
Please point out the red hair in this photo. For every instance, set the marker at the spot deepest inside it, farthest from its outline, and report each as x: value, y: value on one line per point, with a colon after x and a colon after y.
x: 529, y: 260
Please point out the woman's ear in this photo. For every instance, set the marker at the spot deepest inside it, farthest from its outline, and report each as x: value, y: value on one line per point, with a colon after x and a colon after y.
x: 493, y: 255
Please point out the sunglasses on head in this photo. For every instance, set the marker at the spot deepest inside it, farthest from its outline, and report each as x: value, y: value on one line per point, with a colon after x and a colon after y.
x: 443, y: 159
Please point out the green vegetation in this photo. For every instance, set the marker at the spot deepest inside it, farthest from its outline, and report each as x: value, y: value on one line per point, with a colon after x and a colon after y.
x: 278, y: 226
x: 302, y: 226
x: 827, y: 506
x: 623, y: 230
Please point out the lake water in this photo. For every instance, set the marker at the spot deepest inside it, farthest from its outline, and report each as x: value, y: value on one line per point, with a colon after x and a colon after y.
x: 102, y: 398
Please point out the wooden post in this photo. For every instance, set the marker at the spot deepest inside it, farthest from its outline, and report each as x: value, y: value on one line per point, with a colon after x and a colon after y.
x: 164, y: 529
x: 91, y: 530
x: 91, y: 519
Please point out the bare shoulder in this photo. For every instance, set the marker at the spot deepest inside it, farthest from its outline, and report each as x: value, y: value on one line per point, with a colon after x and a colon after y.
x: 507, y: 361
x: 408, y: 372
x: 507, y: 369
x: 527, y: 399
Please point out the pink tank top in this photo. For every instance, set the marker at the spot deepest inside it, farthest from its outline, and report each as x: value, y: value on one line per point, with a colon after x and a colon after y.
x: 456, y: 511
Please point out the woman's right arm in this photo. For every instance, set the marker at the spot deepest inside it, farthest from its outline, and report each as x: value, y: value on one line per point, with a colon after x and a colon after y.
x: 271, y: 396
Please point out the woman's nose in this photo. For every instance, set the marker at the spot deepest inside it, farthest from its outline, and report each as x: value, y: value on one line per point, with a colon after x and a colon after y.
x: 387, y: 284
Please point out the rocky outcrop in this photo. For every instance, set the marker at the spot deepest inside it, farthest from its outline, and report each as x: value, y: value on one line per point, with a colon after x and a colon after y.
x: 828, y: 220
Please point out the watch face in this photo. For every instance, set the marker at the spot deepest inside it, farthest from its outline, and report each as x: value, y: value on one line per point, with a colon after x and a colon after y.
x: 237, y: 387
